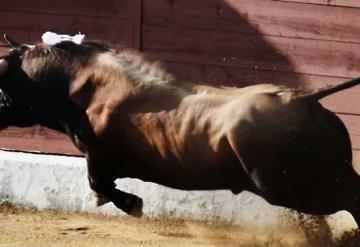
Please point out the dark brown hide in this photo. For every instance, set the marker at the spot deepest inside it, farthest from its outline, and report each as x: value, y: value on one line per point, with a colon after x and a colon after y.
x: 133, y: 119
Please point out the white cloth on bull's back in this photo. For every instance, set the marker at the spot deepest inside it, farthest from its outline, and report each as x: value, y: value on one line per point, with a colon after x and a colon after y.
x: 51, y: 38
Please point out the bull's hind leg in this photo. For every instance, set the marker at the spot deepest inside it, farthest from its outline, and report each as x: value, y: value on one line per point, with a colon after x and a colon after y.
x: 127, y: 202
x: 102, y: 183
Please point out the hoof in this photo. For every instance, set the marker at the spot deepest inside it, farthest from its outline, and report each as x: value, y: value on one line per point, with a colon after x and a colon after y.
x: 132, y: 206
x: 136, y: 210
x: 101, y: 200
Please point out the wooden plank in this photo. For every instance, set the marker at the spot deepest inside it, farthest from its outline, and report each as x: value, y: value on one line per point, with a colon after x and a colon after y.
x: 4, y: 49
x: 347, y: 3
x: 253, y: 51
x: 232, y: 76
x: 344, y: 102
x: 264, y: 17
x: 185, y: 13
x: 30, y: 26
x: 134, y: 23
x: 257, y: 16
x: 36, y: 139
x: 288, y: 19
x: 15, y: 132
x: 356, y: 161
x: 34, y: 36
x: 352, y: 123
x: 113, y: 8
x: 35, y: 21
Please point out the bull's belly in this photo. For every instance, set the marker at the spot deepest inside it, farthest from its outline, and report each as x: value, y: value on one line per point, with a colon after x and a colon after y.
x: 314, y: 196
x: 195, y: 166
x: 194, y: 175
x: 318, y: 183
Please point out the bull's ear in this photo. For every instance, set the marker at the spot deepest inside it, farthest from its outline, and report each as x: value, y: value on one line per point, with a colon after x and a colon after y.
x: 3, y: 66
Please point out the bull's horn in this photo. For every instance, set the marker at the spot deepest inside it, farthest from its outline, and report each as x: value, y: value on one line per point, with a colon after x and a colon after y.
x: 3, y: 66
x: 11, y: 41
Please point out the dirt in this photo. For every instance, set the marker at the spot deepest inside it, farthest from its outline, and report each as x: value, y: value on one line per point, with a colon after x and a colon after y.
x: 22, y: 227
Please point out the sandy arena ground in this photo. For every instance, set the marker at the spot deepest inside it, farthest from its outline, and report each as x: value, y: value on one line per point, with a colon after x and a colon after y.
x: 31, y: 228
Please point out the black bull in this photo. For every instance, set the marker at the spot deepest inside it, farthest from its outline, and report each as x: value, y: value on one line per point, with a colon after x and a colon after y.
x: 133, y: 119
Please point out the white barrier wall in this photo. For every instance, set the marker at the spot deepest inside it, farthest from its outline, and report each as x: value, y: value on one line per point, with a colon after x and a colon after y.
x: 59, y: 182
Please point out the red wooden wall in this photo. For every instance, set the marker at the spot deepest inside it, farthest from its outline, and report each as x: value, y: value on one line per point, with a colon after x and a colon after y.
x: 307, y: 43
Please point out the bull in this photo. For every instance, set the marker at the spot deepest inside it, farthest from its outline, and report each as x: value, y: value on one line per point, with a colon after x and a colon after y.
x: 133, y: 119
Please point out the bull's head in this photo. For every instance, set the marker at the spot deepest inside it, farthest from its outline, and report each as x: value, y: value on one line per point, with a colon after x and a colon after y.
x: 12, y: 113
x: 35, y: 80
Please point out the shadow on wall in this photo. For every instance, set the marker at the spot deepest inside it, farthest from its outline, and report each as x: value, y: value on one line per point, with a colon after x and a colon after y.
x: 220, y: 45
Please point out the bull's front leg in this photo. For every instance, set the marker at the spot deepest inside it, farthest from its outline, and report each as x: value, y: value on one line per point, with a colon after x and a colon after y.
x: 101, y: 180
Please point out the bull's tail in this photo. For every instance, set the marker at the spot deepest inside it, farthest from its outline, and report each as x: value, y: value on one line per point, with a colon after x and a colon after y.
x: 326, y: 91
